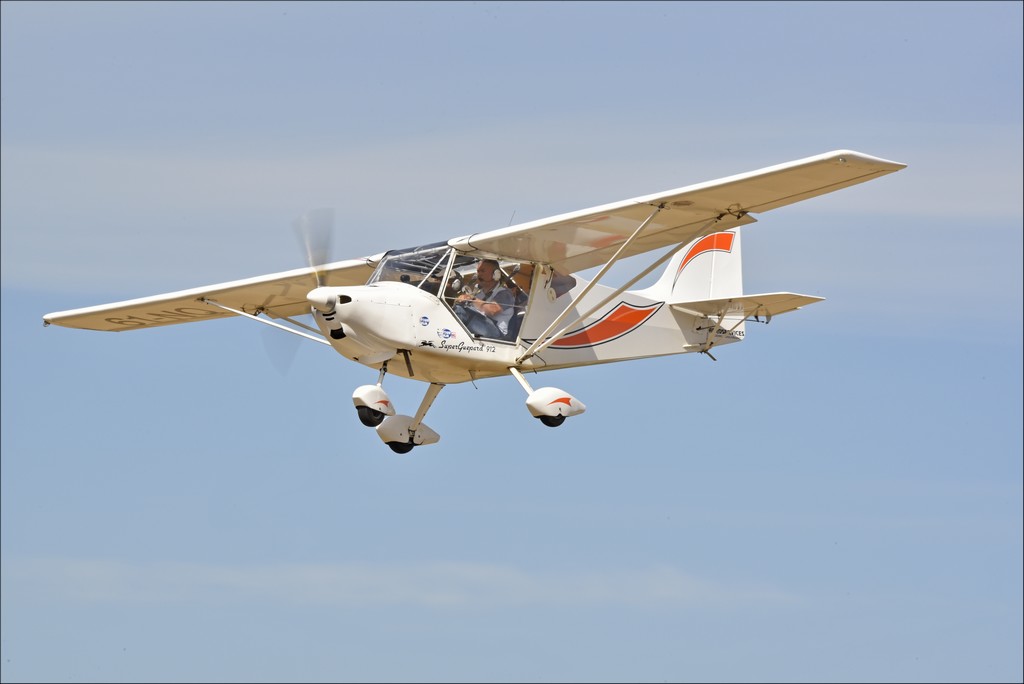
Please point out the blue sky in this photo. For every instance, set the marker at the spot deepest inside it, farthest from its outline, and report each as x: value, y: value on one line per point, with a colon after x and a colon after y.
x: 837, y: 499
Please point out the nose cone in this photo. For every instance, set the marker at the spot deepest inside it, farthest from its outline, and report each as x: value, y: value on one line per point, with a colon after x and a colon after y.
x: 323, y: 299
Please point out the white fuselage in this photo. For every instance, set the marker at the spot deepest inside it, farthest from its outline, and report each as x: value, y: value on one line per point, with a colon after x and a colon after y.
x: 390, y: 321
x: 420, y: 337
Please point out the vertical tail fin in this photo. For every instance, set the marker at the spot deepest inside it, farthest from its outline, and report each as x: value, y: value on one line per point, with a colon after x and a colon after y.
x: 710, y: 267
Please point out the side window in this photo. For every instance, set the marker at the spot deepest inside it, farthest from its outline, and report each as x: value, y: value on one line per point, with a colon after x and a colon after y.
x: 519, y: 278
x: 485, y: 302
x: 549, y: 298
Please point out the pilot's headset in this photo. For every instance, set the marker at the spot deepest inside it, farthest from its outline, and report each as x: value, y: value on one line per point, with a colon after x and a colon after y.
x: 500, y: 276
x: 504, y: 276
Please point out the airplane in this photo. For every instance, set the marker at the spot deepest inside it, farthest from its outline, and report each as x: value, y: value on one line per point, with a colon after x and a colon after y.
x: 511, y: 301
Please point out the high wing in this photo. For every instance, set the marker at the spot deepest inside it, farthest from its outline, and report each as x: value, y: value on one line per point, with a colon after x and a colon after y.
x: 568, y: 242
x: 278, y: 295
x: 591, y: 237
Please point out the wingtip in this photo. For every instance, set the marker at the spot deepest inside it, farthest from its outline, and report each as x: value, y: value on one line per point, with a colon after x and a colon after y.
x: 847, y: 156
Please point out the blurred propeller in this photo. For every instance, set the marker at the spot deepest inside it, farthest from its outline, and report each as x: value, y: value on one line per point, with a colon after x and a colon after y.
x: 314, y: 230
x: 280, y: 348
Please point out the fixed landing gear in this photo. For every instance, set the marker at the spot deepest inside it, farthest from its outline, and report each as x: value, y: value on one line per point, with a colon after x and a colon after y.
x: 552, y: 421
x: 401, y: 447
x: 549, y: 405
x: 372, y: 403
x: 370, y: 417
x: 400, y: 433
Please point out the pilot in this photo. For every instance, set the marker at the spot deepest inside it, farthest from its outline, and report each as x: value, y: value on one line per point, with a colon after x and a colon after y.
x: 486, y: 313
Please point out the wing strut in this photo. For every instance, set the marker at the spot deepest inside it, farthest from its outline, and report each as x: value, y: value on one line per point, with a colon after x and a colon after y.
x: 537, y: 344
x: 321, y: 340
x: 540, y: 344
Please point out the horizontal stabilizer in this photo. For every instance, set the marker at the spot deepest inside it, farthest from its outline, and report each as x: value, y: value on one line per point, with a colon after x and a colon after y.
x: 760, y: 305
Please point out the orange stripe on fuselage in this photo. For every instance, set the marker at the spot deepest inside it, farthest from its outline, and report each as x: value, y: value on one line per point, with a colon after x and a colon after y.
x: 620, y: 321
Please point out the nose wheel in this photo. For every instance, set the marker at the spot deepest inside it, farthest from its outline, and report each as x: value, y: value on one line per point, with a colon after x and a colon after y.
x: 370, y: 417
x: 372, y: 403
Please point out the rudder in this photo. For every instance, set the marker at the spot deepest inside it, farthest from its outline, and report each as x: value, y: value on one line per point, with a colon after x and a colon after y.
x: 710, y: 267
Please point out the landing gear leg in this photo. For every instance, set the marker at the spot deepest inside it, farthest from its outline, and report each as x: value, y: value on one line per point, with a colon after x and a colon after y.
x: 371, y: 401
x: 402, y: 433
x: 428, y: 400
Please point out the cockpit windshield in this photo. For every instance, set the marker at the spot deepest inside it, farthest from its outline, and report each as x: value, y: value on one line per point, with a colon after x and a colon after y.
x: 422, y: 267
x: 488, y: 295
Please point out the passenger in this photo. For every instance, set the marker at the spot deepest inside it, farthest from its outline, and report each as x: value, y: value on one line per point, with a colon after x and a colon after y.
x: 521, y: 280
x: 561, y: 283
x: 487, y: 312
x: 519, y: 283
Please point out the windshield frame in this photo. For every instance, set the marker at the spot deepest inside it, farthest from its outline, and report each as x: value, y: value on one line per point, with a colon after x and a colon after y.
x: 414, y: 266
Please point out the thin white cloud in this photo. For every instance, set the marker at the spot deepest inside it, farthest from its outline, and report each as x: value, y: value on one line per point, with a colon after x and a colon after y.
x: 443, y: 584
x: 96, y: 217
